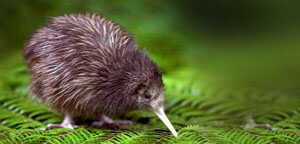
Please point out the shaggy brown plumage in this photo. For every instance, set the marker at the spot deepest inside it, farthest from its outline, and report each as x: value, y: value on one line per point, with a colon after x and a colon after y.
x: 87, y: 65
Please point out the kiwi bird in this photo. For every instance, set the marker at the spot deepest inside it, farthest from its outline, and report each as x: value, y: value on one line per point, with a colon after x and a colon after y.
x: 89, y: 68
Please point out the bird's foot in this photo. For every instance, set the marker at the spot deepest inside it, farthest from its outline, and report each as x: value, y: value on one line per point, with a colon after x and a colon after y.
x: 263, y: 126
x: 109, y: 123
x: 67, y: 123
x: 52, y: 126
x: 251, y: 124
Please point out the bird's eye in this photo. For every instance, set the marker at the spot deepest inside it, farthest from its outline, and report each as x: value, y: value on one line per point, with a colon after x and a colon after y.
x: 147, y: 95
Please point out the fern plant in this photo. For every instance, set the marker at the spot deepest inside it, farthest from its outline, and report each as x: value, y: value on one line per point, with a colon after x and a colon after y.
x: 208, y: 113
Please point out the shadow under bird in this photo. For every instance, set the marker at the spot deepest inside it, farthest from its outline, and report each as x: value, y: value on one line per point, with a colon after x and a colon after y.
x: 90, y: 68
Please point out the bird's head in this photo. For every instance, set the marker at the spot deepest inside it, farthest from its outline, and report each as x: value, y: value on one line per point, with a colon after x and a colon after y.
x: 144, y: 83
x: 150, y: 96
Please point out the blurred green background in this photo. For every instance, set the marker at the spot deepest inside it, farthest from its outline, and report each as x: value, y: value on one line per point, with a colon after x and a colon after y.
x: 219, y: 58
x: 244, y: 38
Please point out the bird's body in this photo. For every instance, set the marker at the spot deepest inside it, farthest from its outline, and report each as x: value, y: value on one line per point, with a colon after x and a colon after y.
x: 85, y: 66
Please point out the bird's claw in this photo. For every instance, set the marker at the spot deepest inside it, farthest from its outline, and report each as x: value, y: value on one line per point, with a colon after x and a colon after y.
x: 52, y: 126
x: 68, y: 122
x: 262, y: 126
x: 109, y: 123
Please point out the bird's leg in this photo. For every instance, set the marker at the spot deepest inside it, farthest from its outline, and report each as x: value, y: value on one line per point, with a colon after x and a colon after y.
x: 105, y: 121
x: 250, y: 123
x: 68, y: 122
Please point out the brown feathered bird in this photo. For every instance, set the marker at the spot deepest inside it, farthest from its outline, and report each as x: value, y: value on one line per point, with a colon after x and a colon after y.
x: 89, y: 68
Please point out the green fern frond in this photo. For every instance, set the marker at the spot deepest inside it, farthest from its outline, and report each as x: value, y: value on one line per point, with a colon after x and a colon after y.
x: 208, y: 113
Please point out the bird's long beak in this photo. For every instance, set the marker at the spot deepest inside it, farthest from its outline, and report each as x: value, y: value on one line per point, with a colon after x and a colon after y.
x: 161, y: 114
